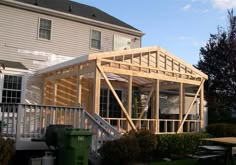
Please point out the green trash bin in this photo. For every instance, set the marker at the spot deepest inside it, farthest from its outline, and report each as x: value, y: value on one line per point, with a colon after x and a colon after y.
x: 76, y: 146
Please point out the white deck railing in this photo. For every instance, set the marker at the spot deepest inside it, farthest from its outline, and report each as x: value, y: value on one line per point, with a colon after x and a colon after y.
x: 24, y: 122
x: 31, y: 121
x: 165, y: 125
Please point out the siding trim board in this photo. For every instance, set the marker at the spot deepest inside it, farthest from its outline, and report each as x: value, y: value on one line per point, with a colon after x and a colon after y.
x: 67, y: 16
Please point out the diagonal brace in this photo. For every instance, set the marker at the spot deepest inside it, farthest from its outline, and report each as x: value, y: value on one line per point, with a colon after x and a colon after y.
x: 117, y: 98
x: 190, y: 107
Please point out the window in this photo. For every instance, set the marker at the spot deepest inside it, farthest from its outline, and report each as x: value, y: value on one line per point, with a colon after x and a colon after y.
x: 45, y: 27
x: 109, y: 107
x: 96, y: 39
x: 11, y: 89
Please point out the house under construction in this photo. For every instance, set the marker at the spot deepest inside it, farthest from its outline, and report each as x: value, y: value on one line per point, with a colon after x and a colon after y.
x: 143, y: 88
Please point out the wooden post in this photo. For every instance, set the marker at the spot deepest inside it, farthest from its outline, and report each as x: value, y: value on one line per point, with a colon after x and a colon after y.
x: 157, y: 109
x: 181, y: 103
x: 78, y: 86
x: 202, y: 107
x: 153, y: 114
x: 96, y: 88
x: 130, y: 81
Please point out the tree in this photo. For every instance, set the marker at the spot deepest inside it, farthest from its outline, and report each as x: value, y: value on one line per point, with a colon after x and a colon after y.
x: 218, y: 60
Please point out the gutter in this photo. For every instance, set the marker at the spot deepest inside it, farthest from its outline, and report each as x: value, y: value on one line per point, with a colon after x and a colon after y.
x: 71, y: 17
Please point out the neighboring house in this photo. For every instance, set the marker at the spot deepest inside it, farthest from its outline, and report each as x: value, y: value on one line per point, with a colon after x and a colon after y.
x: 35, y: 34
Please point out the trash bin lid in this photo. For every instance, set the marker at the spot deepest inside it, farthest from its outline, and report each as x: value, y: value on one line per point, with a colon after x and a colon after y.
x: 77, y: 131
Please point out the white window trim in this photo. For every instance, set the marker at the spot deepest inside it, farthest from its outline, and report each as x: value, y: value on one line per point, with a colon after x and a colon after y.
x: 22, y: 98
x: 43, y: 39
x: 14, y: 72
x: 90, y: 40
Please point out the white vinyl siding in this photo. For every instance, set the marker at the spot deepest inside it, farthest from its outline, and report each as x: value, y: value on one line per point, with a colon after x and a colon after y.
x: 68, y: 39
x: 45, y: 29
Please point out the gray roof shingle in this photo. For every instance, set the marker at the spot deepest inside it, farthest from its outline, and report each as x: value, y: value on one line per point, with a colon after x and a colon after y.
x: 79, y: 9
x: 12, y: 64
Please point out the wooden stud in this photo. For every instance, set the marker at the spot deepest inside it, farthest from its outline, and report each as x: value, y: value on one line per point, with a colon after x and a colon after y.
x: 165, y: 62
x: 130, y: 98
x: 157, y: 108
x: 140, y: 62
x: 54, y: 92
x: 181, y: 103
x: 78, y: 86
x: 44, y: 91
x: 202, y: 107
x: 157, y: 59
x: 190, y: 107
x: 117, y: 98
x: 145, y: 108
x: 96, y: 88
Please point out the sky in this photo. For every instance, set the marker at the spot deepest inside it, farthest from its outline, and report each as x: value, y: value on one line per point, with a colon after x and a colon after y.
x: 180, y: 26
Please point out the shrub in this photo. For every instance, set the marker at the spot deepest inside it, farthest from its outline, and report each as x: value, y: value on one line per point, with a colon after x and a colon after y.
x: 144, y: 146
x: 222, y: 130
x: 132, y: 147
x: 6, y: 150
x: 120, y: 151
x: 147, y: 142
x: 178, y: 144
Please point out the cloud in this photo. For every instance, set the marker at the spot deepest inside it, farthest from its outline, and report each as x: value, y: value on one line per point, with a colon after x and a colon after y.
x: 190, y: 40
x: 186, y: 7
x: 183, y: 38
x: 223, y: 4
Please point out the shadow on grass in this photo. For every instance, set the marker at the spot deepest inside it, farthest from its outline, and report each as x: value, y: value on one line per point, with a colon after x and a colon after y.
x: 191, y: 162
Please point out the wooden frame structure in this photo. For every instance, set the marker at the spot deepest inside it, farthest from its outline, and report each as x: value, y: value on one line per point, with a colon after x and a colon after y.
x: 151, y: 69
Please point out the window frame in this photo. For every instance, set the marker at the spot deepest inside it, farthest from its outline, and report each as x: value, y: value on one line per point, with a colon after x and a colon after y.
x: 7, y: 89
x: 91, y: 38
x: 107, y: 111
x: 39, y: 27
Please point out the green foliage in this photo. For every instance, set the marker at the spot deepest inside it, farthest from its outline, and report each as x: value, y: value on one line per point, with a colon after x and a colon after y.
x: 222, y: 130
x: 147, y: 143
x: 178, y: 144
x: 218, y: 61
x: 6, y: 150
x: 120, y: 151
x: 132, y: 147
x: 143, y: 146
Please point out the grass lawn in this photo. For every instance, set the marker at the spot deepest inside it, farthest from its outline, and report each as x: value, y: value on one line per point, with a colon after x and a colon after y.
x: 191, y: 162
